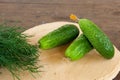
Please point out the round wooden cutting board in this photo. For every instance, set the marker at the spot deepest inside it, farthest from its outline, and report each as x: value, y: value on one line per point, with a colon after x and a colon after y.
x: 56, y: 67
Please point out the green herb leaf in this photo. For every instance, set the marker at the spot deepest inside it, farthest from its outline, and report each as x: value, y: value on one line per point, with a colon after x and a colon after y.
x: 16, y: 54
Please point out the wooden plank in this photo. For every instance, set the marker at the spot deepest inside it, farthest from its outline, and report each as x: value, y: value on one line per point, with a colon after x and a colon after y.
x: 60, y: 1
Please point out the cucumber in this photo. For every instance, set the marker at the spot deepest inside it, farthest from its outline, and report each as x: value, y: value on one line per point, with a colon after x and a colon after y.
x: 97, y: 38
x: 60, y: 36
x: 78, y: 48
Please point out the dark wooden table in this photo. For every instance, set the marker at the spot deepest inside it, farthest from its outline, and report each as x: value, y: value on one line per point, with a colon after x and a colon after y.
x: 29, y: 13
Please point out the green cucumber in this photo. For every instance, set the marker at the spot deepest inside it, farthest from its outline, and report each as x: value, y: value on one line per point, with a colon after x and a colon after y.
x: 60, y: 36
x: 97, y: 38
x: 78, y: 48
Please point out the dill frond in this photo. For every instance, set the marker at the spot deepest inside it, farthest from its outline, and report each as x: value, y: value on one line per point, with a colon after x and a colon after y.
x: 16, y: 54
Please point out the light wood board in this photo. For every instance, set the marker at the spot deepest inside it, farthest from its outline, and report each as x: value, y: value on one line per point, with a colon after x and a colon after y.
x: 56, y: 67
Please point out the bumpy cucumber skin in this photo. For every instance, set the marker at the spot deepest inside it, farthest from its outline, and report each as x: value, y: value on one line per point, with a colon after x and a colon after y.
x: 60, y: 36
x: 78, y: 48
x: 97, y: 38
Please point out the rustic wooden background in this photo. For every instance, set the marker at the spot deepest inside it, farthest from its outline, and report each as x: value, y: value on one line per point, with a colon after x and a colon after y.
x: 29, y: 13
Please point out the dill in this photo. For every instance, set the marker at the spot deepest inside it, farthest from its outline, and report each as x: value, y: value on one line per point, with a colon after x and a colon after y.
x: 16, y: 54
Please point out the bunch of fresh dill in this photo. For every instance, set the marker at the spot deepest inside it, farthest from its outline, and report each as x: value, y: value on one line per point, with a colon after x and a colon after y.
x: 16, y: 54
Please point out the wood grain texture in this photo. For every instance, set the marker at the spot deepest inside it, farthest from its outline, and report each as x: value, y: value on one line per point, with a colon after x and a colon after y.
x: 29, y: 13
